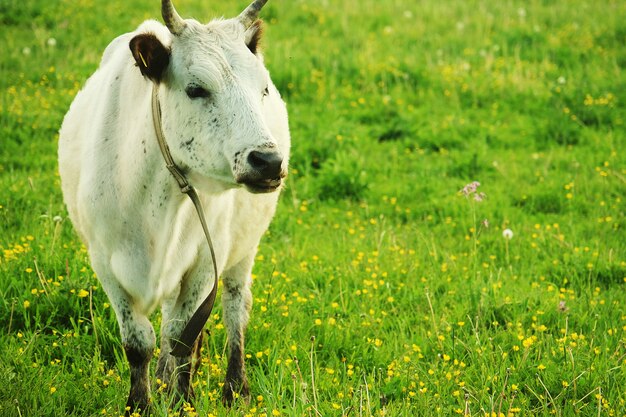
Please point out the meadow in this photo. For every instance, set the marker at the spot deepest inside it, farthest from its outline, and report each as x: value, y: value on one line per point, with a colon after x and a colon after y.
x: 385, y: 286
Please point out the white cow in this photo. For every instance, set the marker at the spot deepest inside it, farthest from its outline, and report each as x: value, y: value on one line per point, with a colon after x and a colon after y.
x: 227, y: 130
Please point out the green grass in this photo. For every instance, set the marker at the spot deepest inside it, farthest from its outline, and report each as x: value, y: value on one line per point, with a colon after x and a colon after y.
x: 378, y: 290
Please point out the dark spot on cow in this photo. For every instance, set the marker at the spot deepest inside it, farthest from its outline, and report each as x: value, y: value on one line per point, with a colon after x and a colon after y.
x: 188, y: 143
x: 234, y: 291
x: 125, y: 313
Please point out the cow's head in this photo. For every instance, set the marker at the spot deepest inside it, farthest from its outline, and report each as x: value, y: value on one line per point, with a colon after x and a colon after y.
x: 216, y: 97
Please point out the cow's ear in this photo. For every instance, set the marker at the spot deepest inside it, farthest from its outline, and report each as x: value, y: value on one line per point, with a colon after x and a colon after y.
x: 253, y: 35
x: 150, y: 55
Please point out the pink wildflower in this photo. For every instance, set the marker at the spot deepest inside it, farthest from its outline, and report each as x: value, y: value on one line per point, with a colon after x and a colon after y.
x: 470, y: 188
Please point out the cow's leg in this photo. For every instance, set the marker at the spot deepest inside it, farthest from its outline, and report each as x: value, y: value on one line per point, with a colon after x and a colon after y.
x: 138, y: 340
x: 236, y: 301
x: 172, y: 370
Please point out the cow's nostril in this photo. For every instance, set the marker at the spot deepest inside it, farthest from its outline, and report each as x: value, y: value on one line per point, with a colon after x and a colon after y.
x: 268, y: 164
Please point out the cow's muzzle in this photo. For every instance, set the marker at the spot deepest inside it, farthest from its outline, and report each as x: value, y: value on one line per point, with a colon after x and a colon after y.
x: 265, y: 171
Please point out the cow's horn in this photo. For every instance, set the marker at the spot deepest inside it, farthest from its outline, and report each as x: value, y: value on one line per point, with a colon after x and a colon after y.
x: 251, y: 13
x: 172, y: 19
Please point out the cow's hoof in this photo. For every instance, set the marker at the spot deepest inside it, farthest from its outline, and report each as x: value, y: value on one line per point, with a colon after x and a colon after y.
x: 137, y: 408
x: 234, y: 392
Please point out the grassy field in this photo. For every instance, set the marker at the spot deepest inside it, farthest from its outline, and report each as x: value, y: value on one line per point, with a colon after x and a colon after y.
x: 380, y: 289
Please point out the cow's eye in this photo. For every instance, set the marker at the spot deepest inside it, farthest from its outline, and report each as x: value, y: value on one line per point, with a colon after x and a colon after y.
x: 266, y: 92
x: 195, y: 91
